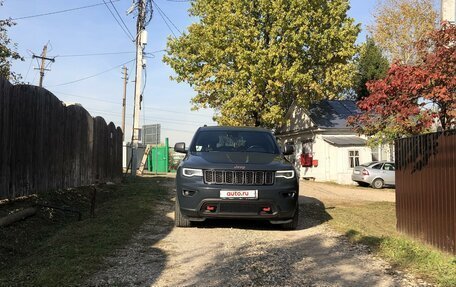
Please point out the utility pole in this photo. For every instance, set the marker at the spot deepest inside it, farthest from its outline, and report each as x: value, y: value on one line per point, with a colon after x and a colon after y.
x: 125, y: 78
x: 141, y: 41
x: 43, y: 62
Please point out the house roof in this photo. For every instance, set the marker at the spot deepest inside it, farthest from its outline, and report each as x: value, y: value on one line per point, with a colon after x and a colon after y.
x: 345, y: 141
x: 332, y: 114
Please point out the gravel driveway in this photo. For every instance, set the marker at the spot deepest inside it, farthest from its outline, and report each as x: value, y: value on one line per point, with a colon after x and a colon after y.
x: 233, y: 253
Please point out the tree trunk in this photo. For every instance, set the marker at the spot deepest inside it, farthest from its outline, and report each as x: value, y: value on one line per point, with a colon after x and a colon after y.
x: 12, y: 218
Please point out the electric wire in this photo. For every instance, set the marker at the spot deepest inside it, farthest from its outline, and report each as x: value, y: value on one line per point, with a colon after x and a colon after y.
x: 94, y: 54
x: 58, y: 12
x: 28, y: 70
x: 163, y: 12
x: 92, y: 76
x: 144, y: 107
x: 148, y: 54
x: 120, y: 17
x: 166, y: 19
x: 169, y: 27
x: 127, y: 32
x: 161, y: 120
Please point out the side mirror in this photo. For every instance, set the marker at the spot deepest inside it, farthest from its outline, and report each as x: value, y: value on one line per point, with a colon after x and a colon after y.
x: 180, y: 147
x: 288, y: 149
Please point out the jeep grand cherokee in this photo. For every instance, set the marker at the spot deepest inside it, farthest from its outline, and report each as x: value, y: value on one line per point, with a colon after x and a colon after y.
x: 235, y: 172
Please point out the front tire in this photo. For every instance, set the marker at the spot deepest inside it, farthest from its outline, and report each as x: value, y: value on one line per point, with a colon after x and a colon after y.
x: 179, y: 219
x: 294, y: 223
x: 378, y: 183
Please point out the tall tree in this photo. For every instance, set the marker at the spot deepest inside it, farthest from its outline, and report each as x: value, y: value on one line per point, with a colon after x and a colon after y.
x: 399, y: 24
x: 371, y: 65
x: 250, y: 59
x: 410, y: 98
x: 8, y: 51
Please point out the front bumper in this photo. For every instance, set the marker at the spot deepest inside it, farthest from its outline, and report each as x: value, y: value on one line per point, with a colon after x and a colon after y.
x: 279, y: 200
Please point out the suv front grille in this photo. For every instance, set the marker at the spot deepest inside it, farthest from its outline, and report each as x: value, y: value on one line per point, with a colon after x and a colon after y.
x: 239, y: 177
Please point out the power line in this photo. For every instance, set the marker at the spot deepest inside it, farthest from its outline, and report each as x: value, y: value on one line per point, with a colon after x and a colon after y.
x: 164, y: 120
x: 175, y: 112
x: 166, y: 18
x: 94, y: 54
x: 144, y: 107
x: 120, y: 17
x: 28, y: 70
x: 84, y: 97
x: 92, y: 76
x: 102, y: 54
x: 126, y: 31
x: 58, y: 12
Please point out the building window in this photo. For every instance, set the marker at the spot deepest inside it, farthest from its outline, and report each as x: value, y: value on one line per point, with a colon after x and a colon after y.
x: 353, y: 158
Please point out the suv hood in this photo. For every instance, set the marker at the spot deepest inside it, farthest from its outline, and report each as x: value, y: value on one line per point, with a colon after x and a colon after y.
x: 242, y: 160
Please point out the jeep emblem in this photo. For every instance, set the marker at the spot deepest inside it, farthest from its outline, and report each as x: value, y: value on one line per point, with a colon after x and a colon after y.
x: 239, y: 167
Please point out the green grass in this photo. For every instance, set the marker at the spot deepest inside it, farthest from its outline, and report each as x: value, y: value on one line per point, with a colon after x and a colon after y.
x: 52, y: 248
x: 374, y: 224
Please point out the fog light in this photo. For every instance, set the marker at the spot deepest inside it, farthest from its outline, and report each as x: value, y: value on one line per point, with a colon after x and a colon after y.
x: 188, y: 192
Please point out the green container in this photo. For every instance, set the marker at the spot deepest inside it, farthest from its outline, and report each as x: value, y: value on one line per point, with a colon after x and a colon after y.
x: 157, y: 160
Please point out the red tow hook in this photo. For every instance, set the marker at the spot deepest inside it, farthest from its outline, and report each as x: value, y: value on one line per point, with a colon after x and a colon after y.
x: 266, y: 209
x: 210, y: 208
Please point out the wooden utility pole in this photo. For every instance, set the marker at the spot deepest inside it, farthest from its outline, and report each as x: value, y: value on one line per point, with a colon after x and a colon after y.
x: 124, y: 100
x: 141, y: 41
x: 43, y: 62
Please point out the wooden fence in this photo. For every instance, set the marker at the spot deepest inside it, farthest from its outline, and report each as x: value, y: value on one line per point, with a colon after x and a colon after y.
x: 426, y: 188
x: 45, y: 145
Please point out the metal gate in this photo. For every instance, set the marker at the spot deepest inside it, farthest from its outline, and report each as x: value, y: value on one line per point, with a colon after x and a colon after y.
x: 426, y: 188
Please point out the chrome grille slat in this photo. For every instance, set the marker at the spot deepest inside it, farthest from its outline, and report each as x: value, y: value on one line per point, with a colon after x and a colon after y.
x: 248, y: 177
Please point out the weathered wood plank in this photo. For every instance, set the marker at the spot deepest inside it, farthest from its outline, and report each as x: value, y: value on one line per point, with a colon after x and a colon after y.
x: 46, y: 145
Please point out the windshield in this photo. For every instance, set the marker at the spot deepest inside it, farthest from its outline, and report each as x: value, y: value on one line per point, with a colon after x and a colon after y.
x: 234, y: 141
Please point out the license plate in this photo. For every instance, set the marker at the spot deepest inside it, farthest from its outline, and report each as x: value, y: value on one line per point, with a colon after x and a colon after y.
x: 239, y: 194
x: 356, y: 172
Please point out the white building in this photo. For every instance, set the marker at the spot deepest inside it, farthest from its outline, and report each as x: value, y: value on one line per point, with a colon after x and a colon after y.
x: 326, y: 148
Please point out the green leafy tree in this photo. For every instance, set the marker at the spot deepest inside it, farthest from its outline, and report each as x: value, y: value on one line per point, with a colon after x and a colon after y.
x: 250, y: 60
x: 8, y: 51
x: 371, y: 65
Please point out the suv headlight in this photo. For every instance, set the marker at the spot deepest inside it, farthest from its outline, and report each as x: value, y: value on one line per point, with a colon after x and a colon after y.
x: 189, y: 172
x: 288, y: 174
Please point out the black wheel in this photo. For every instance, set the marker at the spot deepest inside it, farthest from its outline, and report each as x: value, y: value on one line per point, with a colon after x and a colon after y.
x: 294, y: 223
x: 179, y: 219
x: 363, y: 184
x: 377, y: 183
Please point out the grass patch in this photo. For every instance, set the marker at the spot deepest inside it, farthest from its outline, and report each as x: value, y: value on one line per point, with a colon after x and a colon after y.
x: 374, y: 224
x: 53, y: 248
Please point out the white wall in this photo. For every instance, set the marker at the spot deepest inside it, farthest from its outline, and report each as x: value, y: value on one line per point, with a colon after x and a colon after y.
x: 333, y: 161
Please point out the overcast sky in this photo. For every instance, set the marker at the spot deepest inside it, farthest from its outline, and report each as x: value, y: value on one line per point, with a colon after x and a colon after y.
x: 95, y: 81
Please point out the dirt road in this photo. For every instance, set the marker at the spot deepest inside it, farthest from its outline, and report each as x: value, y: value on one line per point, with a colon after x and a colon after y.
x: 232, y: 253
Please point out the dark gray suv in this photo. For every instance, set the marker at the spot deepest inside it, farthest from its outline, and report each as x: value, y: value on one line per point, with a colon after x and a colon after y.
x: 236, y: 172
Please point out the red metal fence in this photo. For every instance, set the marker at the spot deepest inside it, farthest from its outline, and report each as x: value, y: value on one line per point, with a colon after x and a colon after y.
x: 45, y: 145
x: 426, y: 188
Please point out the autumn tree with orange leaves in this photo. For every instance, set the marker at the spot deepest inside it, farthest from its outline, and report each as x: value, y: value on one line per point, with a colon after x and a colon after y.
x: 410, y: 99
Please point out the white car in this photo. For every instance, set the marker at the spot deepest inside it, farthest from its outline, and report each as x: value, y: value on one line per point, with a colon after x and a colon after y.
x: 376, y: 174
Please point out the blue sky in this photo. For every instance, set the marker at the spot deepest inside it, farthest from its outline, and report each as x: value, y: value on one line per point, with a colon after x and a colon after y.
x: 75, y: 34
